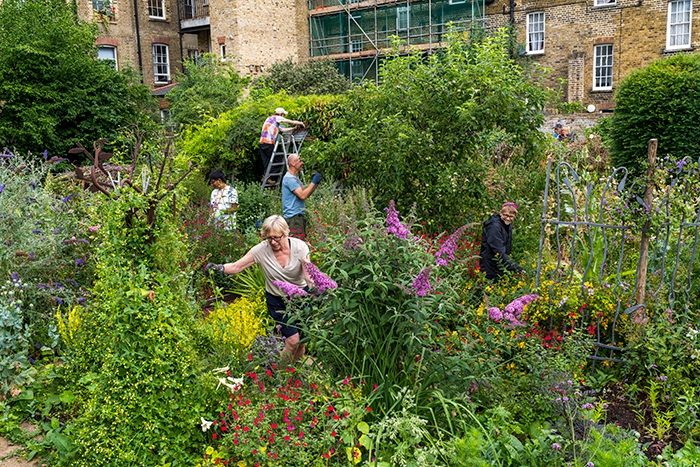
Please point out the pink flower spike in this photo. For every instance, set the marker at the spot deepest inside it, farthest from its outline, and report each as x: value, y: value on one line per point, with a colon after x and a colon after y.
x: 290, y: 289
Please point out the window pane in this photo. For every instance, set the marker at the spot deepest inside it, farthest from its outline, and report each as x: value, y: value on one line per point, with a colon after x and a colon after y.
x: 161, y: 69
x: 535, y: 32
x: 156, y: 8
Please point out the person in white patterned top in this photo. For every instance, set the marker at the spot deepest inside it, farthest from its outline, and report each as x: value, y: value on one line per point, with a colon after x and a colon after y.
x: 224, y: 201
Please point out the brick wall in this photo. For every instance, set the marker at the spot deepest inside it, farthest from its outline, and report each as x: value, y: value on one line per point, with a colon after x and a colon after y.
x: 636, y: 28
x: 258, y: 33
x: 120, y: 33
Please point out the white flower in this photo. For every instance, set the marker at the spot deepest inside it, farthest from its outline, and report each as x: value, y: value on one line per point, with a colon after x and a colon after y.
x: 220, y: 370
x: 234, y: 384
x: 205, y: 424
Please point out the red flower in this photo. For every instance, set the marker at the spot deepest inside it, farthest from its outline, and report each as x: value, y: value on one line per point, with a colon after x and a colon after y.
x: 368, y: 409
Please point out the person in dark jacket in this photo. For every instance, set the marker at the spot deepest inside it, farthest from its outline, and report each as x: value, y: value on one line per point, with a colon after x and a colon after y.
x: 496, y: 243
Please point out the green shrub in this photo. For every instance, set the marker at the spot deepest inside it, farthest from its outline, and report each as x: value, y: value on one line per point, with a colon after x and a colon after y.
x: 311, y: 77
x: 660, y: 101
x: 133, y: 358
x: 230, y: 141
x: 426, y: 133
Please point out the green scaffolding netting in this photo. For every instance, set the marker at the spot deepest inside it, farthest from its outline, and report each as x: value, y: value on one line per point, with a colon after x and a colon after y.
x: 372, y: 28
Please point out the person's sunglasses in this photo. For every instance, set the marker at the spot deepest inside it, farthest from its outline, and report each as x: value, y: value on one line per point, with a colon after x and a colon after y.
x: 275, y: 238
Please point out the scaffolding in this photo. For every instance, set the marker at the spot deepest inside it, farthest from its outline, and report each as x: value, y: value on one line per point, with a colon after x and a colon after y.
x: 354, y: 34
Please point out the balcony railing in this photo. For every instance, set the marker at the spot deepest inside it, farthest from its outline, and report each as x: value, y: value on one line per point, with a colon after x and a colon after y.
x: 194, y: 9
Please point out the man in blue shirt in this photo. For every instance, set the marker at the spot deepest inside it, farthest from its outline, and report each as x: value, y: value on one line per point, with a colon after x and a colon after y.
x: 294, y: 195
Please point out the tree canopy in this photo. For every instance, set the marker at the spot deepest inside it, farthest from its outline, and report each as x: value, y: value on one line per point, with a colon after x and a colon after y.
x: 53, y: 90
x: 207, y: 88
x: 311, y: 77
x: 427, y: 130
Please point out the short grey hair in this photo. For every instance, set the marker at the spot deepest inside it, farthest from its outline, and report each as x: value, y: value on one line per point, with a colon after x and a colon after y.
x: 274, y: 224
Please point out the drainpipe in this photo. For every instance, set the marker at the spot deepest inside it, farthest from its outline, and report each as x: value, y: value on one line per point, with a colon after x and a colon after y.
x: 138, y: 38
x: 180, y: 33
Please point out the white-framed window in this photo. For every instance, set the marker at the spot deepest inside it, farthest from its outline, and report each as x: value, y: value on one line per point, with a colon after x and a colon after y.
x: 457, y: 2
x: 604, y: 2
x: 156, y: 9
x: 602, y: 67
x: 535, y: 33
x: 161, y: 64
x: 355, y: 45
x: 107, y: 53
x: 679, y: 22
x: 222, y: 50
x: 402, y: 20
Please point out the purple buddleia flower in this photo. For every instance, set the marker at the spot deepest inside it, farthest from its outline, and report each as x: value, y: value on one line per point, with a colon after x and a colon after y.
x: 495, y: 313
x: 290, y: 289
x: 72, y: 282
x: 422, y: 283
x: 67, y: 198
x: 59, y: 301
x: 515, y: 308
x: 393, y: 224
x: 321, y: 281
x: 447, y: 250
x: 81, y: 301
x: 79, y: 262
x: 46, y: 154
x: 36, y: 231
x: 2, y: 187
x: 42, y: 286
x: 31, y: 256
x: 15, y: 277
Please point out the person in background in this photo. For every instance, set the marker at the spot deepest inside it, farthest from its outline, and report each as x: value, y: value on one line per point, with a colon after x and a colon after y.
x: 281, y: 258
x: 565, y: 134
x: 268, y: 136
x: 294, y: 195
x: 557, y: 130
x: 224, y: 201
x: 496, y: 243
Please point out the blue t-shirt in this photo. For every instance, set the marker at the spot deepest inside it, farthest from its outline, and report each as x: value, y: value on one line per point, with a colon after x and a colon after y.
x: 291, y: 204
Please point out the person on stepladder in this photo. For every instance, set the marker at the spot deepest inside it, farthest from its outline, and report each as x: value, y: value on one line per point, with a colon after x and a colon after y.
x: 269, y: 133
x: 294, y: 195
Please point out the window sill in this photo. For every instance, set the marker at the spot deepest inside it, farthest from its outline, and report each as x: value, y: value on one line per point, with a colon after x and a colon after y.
x: 670, y: 50
x: 601, y: 91
x: 609, y: 6
x: 538, y: 52
x: 155, y: 18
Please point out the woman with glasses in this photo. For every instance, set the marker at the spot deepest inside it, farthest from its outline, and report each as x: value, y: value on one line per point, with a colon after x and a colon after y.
x: 281, y: 258
x: 496, y: 242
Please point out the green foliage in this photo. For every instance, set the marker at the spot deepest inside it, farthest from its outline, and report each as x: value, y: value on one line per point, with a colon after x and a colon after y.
x: 232, y: 328
x: 660, y: 101
x: 311, y: 77
x: 374, y: 325
x: 207, y: 88
x: 44, y: 243
x: 53, y: 90
x: 231, y: 140
x: 428, y: 130
x: 15, y: 370
x: 132, y: 354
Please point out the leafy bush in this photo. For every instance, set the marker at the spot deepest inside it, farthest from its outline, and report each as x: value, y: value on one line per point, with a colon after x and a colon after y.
x: 133, y: 357
x: 208, y: 88
x: 230, y: 141
x: 311, y: 77
x: 46, y: 247
x: 660, y: 101
x: 427, y: 131
x: 54, y: 91
x: 232, y: 328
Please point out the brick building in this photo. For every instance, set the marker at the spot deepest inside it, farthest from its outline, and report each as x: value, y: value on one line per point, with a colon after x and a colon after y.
x: 594, y: 44
x: 154, y: 36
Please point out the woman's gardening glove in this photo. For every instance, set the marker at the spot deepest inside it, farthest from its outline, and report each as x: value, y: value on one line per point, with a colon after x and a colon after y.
x: 214, y: 267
